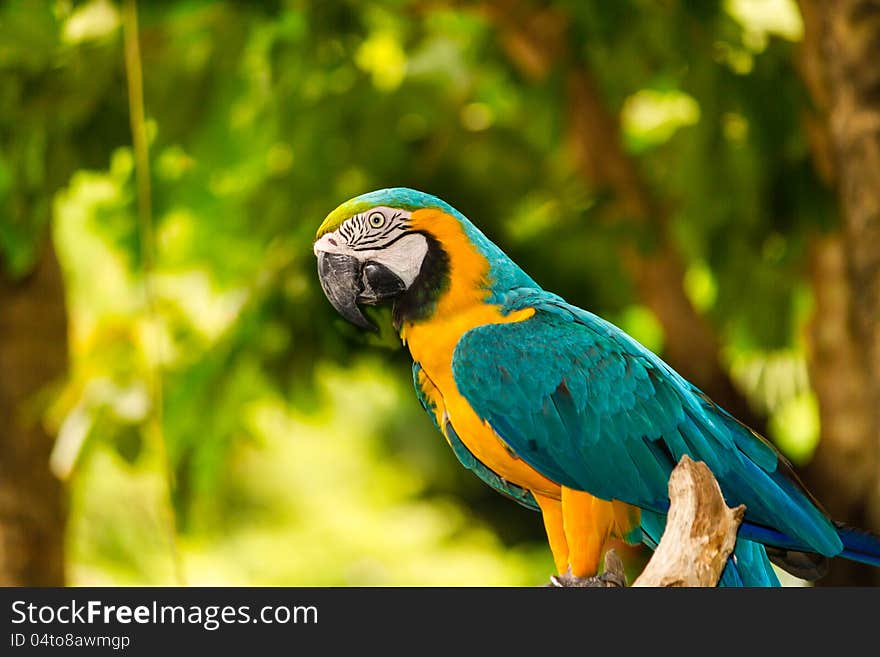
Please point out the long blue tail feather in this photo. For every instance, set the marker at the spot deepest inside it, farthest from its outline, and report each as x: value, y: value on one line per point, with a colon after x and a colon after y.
x: 859, y: 545
x: 768, y: 536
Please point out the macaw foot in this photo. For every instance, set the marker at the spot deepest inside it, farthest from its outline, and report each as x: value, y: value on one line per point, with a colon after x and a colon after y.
x: 612, y: 576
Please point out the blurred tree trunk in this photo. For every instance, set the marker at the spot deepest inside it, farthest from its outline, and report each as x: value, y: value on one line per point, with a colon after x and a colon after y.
x: 844, y: 468
x: 839, y: 65
x: 33, y: 354
x: 534, y: 39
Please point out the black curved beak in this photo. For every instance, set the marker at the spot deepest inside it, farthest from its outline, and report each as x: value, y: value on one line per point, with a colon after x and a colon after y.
x: 347, y: 281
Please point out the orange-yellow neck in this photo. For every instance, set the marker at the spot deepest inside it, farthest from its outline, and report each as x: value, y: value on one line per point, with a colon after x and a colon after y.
x: 462, y: 305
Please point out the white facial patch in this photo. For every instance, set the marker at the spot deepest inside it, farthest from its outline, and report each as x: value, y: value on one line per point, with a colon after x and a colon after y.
x: 404, y: 257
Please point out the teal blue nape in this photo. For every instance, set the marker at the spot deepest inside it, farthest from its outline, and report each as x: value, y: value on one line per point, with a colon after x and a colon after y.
x: 591, y: 409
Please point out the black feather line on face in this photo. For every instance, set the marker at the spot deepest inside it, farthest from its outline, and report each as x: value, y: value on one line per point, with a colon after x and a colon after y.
x: 420, y: 300
x: 378, y: 238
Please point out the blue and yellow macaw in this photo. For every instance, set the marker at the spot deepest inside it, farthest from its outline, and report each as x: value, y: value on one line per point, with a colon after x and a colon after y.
x: 555, y: 407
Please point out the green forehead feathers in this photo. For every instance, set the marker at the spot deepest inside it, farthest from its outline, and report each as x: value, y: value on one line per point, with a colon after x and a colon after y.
x: 394, y: 197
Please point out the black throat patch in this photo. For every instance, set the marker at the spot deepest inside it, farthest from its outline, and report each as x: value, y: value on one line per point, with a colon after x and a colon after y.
x: 420, y: 300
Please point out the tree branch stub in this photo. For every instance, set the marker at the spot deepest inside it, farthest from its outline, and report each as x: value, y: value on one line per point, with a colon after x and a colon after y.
x: 700, y: 531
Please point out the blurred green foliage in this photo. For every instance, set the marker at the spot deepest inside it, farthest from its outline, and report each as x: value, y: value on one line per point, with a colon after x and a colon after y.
x: 300, y: 455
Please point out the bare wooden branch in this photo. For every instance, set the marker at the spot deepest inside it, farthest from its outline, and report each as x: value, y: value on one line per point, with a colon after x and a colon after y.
x: 700, y: 531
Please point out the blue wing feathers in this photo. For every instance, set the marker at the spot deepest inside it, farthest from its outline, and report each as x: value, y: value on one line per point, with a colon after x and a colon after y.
x: 592, y: 409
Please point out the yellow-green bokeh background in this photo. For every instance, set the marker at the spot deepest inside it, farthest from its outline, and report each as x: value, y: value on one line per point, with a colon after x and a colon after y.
x: 298, y: 451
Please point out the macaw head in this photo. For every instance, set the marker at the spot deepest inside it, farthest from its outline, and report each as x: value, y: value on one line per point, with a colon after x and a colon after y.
x: 371, y: 249
x: 413, y: 248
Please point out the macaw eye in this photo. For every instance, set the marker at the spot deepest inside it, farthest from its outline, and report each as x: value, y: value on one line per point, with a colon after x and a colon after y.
x: 376, y: 219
